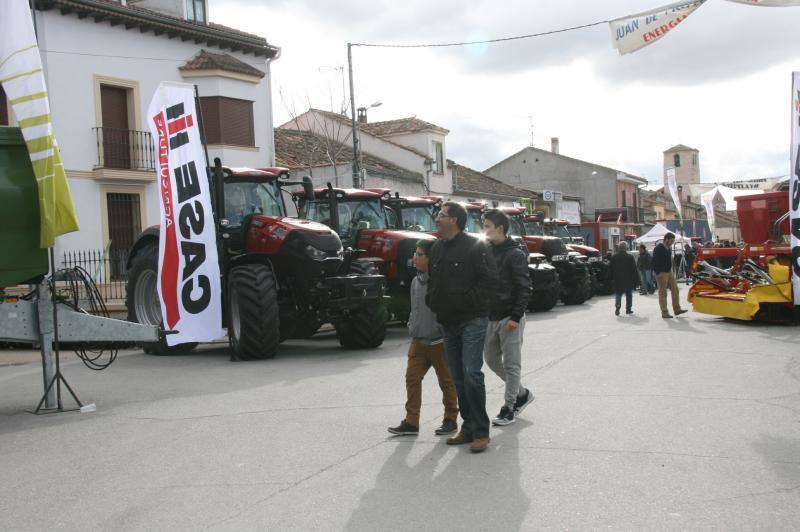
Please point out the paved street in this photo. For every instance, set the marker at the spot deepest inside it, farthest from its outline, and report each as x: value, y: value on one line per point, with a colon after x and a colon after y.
x: 639, y: 423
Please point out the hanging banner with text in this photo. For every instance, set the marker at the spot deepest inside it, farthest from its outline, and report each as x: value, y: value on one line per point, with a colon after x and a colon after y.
x: 672, y: 185
x: 794, y: 187
x: 634, y: 32
x: 768, y: 3
x: 708, y: 202
x: 188, y: 270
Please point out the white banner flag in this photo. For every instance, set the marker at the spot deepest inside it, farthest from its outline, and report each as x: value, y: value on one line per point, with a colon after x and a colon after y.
x: 188, y: 270
x: 768, y: 3
x: 634, y: 32
x: 708, y: 203
x: 794, y: 187
x: 672, y: 185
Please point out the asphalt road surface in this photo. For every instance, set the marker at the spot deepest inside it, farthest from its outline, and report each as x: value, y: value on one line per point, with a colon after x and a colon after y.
x: 639, y: 423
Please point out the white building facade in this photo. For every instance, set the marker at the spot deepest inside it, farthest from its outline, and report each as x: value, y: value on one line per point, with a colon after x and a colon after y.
x: 103, y: 61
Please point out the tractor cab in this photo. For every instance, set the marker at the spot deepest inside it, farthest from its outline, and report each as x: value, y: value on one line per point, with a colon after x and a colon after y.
x: 411, y: 213
x: 352, y: 213
x: 474, y: 218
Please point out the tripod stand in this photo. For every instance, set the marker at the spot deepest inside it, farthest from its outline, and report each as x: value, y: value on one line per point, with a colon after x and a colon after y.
x: 50, y: 348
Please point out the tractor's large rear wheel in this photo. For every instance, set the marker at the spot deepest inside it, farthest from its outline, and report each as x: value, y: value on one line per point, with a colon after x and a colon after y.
x: 253, y: 318
x: 143, y: 303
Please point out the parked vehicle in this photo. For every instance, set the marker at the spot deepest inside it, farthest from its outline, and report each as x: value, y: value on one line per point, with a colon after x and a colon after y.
x: 361, y: 221
x: 758, y: 286
x: 282, y: 277
x: 573, y: 271
x: 599, y: 266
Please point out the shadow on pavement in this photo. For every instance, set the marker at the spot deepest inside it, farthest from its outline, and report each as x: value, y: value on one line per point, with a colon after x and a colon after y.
x: 426, y: 497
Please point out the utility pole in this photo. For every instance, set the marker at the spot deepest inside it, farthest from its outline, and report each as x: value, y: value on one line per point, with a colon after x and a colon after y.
x: 356, y: 169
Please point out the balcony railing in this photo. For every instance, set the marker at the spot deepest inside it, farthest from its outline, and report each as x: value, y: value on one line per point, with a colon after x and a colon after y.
x: 125, y: 149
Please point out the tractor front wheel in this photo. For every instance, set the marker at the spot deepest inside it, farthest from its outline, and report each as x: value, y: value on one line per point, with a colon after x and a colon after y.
x: 579, y: 293
x: 364, y: 328
x: 545, y: 300
x: 253, y: 318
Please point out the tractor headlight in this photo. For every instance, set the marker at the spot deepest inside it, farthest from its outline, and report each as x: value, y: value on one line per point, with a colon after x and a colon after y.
x: 315, y: 254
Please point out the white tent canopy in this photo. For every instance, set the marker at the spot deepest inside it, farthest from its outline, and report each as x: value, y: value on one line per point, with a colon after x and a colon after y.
x: 656, y: 235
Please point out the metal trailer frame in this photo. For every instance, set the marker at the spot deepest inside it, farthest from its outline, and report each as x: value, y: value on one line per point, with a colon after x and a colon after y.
x: 48, y: 322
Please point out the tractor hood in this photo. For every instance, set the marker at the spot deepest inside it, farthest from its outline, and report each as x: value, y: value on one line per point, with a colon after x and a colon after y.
x: 397, y: 234
x: 589, y: 251
x: 292, y: 224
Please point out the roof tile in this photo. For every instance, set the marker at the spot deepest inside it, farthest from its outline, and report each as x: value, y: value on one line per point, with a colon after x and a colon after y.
x: 206, y: 60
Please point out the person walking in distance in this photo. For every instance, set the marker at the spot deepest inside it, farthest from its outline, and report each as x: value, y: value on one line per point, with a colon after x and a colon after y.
x: 662, y: 267
x: 503, y: 350
x: 623, y: 275
x: 644, y: 264
x: 462, y: 278
x: 426, y: 350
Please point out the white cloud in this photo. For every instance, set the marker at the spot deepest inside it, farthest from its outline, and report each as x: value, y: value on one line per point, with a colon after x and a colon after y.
x: 719, y: 83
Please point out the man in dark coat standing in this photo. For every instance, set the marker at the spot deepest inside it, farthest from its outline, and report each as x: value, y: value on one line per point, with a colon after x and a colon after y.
x: 623, y: 274
x: 463, y: 277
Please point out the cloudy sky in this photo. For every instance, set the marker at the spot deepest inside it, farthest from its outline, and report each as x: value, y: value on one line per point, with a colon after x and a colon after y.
x: 719, y: 83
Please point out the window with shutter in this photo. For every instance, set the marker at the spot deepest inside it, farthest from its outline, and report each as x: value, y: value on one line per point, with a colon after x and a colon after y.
x: 228, y: 121
x: 116, y: 135
x: 3, y: 108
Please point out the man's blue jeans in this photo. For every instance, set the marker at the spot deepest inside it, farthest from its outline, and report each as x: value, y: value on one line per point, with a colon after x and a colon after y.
x: 463, y: 343
x: 648, y: 284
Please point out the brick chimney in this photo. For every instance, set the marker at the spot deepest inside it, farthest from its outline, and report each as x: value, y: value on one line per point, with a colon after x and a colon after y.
x: 554, y: 145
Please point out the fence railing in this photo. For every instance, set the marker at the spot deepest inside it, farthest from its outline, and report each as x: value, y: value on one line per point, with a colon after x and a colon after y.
x: 125, y: 149
x: 107, y: 268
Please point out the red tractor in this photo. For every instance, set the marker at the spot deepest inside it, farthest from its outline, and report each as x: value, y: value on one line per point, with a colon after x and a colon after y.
x: 599, y: 266
x: 282, y: 277
x: 573, y: 271
x: 419, y: 214
x: 360, y: 219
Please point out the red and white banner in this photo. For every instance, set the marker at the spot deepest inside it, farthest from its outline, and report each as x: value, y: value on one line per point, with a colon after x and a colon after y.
x: 188, y: 269
x: 634, y: 32
x: 794, y: 187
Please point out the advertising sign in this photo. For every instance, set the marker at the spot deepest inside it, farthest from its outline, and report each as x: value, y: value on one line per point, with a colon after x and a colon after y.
x: 188, y: 270
x: 634, y: 32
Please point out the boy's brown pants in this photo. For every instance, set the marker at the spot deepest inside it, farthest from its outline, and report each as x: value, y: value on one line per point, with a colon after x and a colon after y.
x: 420, y: 358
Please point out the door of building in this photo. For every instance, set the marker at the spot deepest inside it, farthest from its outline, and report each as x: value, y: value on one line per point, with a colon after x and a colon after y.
x: 124, y: 225
x: 116, y: 136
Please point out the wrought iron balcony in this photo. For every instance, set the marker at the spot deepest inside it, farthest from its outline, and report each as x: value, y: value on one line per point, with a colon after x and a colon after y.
x: 124, y: 149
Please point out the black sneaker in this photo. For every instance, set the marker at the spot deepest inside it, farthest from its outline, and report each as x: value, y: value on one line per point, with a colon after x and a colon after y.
x: 448, y: 427
x: 505, y: 417
x: 523, y: 401
x: 404, y: 429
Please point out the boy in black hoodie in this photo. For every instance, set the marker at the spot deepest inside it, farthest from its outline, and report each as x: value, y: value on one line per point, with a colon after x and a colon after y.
x: 503, y: 351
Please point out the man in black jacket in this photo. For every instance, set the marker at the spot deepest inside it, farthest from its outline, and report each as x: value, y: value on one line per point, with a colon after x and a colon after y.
x: 503, y: 351
x: 462, y: 278
x: 662, y: 268
x: 623, y: 274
